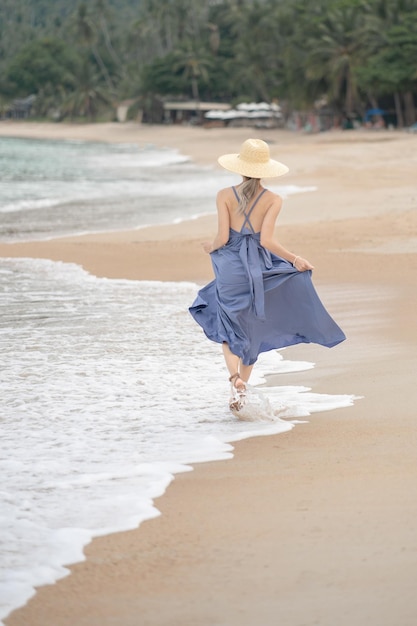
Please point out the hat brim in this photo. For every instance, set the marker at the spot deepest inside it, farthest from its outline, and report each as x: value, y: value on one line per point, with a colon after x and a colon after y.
x: 270, y: 169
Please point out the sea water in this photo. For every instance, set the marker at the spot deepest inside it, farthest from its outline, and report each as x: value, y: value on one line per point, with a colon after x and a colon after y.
x: 107, y: 387
x: 58, y: 188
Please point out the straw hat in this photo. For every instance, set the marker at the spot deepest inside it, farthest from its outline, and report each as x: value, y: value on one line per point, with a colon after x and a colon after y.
x: 253, y: 161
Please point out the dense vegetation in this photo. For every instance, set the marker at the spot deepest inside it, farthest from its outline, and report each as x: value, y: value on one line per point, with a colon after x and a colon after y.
x: 81, y: 57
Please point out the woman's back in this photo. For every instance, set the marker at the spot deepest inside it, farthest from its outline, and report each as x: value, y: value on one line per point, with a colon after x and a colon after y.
x: 256, y: 209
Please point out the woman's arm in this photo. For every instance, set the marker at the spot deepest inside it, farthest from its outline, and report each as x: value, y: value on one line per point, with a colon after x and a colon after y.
x: 223, y: 224
x: 269, y: 242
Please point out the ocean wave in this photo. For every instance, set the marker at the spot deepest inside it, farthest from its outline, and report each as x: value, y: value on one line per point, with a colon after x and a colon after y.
x: 30, y: 205
x: 56, y: 188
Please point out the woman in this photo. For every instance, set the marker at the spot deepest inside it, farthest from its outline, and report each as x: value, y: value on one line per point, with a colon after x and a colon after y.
x: 262, y: 297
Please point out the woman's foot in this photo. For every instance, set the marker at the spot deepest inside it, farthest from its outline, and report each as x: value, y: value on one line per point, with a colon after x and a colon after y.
x: 238, y: 390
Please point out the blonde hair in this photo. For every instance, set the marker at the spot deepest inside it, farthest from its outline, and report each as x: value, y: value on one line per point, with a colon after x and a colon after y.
x: 247, y: 192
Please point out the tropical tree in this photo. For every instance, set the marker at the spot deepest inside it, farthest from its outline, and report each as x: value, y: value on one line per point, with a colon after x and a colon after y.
x: 194, y: 63
x: 40, y: 63
x: 103, y: 16
x: 393, y: 70
x: 87, y: 96
x: 159, y: 77
x: 390, y: 68
x: 87, y: 37
x: 257, y: 61
x: 334, y: 53
x: 163, y: 25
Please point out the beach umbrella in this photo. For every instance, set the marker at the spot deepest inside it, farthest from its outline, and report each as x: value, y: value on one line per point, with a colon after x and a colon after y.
x: 260, y: 113
x: 233, y: 114
x: 214, y: 115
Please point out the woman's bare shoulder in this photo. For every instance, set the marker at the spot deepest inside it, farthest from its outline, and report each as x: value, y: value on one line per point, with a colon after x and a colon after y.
x: 225, y: 192
x: 273, y: 199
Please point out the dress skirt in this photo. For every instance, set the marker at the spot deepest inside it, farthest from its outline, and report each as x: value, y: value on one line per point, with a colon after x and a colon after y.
x: 259, y: 302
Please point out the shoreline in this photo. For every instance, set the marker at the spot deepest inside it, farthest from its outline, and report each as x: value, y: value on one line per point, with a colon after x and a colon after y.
x: 320, y: 539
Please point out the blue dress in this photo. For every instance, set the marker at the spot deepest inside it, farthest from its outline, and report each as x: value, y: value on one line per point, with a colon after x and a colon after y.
x: 259, y: 301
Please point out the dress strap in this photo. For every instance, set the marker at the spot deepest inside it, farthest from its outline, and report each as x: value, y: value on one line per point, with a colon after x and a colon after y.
x: 236, y: 194
x: 247, y: 215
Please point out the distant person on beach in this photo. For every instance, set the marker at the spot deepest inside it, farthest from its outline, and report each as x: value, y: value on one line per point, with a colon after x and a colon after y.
x: 262, y: 297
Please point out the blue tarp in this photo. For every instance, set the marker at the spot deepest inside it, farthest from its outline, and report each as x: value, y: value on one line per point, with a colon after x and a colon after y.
x: 371, y: 112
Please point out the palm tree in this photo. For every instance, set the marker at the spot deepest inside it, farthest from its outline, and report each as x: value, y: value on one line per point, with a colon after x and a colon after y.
x: 390, y: 67
x: 194, y: 64
x: 101, y: 10
x: 163, y: 24
x: 87, y: 36
x: 335, y: 52
x: 257, y: 62
x: 87, y: 95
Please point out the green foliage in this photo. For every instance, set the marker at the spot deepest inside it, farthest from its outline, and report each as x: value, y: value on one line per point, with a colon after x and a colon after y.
x: 88, y: 96
x: 40, y: 63
x: 82, y: 55
x: 393, y: 66
x: 158, y: 77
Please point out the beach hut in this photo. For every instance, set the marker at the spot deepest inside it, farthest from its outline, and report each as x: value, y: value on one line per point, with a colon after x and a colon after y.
x: 190, y: 111
x: 21, y: 108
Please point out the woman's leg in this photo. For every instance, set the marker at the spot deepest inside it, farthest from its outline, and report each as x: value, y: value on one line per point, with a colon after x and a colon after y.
x: 245, y: 372
x: 239, y: 375
x: 232, y: 360
x: 234, y: 365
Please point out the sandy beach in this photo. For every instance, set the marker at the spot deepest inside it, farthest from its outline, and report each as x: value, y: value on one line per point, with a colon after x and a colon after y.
x: 311, y: 527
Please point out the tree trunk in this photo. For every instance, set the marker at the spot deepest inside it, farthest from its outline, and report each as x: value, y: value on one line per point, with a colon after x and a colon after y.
x: 194, y: 89
x: 410, y: 110
x: 349, y: 94
x: 373, y: 101
x: 109, y: 45
x: 104, y: 70
x: 398, y: 110
x: 196, y: 96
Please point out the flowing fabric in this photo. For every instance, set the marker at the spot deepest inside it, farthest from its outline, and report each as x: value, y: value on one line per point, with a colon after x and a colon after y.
x: 259, y: 301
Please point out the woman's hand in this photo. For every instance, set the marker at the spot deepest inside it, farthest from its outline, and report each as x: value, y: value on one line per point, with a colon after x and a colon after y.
x: 301, y: 264
x: 207, y: 247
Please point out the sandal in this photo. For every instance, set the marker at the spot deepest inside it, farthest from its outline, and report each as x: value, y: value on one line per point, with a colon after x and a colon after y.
x: 238, y: 399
